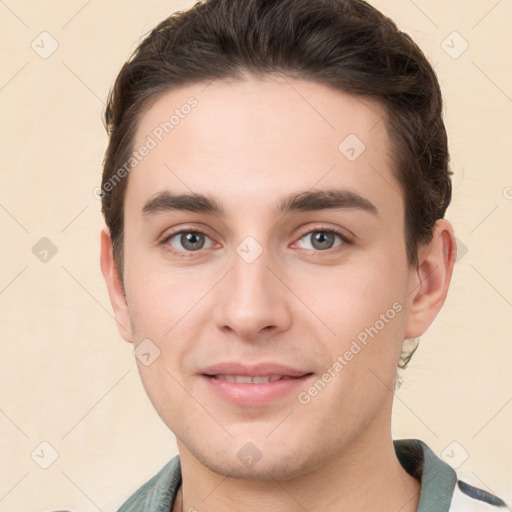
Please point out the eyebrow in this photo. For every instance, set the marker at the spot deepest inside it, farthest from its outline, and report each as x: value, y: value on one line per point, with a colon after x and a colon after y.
x: 308, y: 200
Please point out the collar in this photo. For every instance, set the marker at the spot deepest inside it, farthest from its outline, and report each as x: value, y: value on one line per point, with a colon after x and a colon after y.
x: 437, y: 478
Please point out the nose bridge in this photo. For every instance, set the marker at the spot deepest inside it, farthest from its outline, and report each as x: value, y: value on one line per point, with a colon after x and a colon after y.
x: 250, y: 273
x: 252, y: 298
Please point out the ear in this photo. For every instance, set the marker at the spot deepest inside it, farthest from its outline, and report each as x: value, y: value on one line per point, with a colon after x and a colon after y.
x: 429, y: 281
x: 115, y: 286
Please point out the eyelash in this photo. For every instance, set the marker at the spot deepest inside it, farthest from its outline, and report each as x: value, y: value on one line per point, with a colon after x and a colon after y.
x: 186, y: 254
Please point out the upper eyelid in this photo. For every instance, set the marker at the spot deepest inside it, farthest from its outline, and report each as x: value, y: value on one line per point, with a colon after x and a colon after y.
x: 172, y: 234
x: 336, y: 231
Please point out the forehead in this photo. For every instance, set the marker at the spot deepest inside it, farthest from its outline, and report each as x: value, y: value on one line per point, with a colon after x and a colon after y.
x: 252, y: 139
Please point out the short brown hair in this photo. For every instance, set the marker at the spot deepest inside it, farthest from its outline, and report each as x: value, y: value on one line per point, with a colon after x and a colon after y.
x: 345, y: 44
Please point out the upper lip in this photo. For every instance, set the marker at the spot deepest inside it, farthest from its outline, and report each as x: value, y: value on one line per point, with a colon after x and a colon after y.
x: 253, y: 370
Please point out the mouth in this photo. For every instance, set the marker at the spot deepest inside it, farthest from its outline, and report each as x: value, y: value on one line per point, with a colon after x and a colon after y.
x: 248, y: 379
x: 254, y: 386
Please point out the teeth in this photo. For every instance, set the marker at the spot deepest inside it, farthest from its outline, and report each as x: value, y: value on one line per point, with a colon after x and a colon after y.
x: 238, y: 378
x: 247, y: 379
x: 260, y: 379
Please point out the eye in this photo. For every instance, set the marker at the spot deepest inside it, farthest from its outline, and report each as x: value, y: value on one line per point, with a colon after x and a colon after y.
x: 323, y: 239
x: 187, y: 241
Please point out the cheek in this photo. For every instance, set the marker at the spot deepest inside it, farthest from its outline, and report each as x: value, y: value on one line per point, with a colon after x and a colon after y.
x: 349, y: 298
x: 170, y: 306
x: 363, y: 307
x: 154, y: 292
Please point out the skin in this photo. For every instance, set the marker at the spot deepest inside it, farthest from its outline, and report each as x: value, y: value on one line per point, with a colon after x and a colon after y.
x: 248, y: 143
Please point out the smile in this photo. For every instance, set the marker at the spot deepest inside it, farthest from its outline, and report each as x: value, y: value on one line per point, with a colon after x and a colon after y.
x: 247, y: 379
x: 254, y: 390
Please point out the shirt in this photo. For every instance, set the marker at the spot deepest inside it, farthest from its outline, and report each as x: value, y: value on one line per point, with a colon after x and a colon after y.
x: 441, y: 490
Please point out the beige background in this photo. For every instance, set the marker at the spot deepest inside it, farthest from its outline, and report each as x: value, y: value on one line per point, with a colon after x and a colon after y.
x: 68, y: 379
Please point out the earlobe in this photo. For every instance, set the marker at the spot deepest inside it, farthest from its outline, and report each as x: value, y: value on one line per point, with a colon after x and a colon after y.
x: 430, y: 280
x: 114, y: 286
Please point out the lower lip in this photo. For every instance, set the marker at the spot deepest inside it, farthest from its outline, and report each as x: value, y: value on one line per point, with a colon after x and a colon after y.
x: 255, y: 395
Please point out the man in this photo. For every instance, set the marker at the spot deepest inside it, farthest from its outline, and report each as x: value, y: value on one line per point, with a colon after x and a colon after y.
x: 274, y: 192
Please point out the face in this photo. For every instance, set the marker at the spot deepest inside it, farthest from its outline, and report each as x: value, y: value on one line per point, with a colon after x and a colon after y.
x: 293, y: 265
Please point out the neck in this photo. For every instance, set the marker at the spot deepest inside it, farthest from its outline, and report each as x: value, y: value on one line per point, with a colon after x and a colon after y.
x: 366, y: 476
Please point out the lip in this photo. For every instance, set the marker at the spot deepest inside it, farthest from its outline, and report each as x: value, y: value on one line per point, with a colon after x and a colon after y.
x: 254, y: 370
x: 254, y: 394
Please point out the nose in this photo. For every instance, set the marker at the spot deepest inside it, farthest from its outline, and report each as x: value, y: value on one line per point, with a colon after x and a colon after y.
x: 253, y: 300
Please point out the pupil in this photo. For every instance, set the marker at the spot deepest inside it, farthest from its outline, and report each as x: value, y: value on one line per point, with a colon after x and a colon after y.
x: 190, y: 240
x: 324, y: 239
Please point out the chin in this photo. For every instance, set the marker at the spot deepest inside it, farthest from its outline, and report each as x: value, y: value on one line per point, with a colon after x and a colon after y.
x: 250, y: 463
